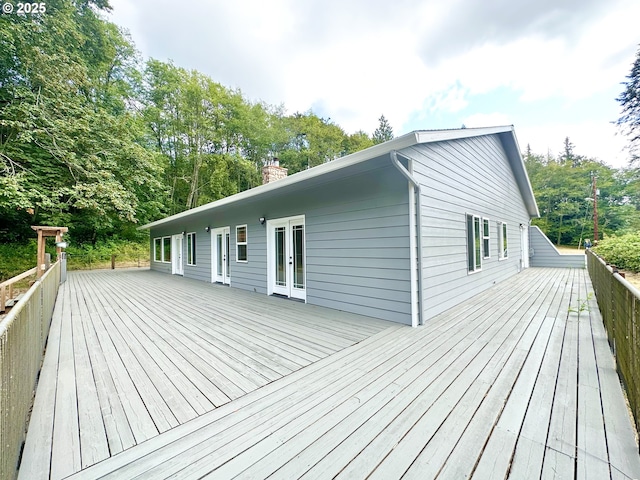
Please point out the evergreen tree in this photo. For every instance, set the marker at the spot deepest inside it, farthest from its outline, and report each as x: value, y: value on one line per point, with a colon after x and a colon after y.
x: 384, y: 132
x: 629, y: 121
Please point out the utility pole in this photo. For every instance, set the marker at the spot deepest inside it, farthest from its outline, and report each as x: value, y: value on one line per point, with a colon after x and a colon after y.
x: 595, y: 207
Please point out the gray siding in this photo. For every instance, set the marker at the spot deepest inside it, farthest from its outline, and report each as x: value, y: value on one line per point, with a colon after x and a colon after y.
x: 545, y: 254
x: 467, y: 176
x: 357, y: 244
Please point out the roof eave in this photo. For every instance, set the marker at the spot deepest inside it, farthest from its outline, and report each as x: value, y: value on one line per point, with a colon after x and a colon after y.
x: 377, y: 150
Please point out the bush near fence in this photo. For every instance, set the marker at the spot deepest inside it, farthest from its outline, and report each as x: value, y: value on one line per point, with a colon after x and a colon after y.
x: 619, y: 303
x: 15, y: 259
x: 622, y: 251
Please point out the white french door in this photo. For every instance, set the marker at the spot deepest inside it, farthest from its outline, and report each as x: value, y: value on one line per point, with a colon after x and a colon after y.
x: 220, y: 243
x: 286, y: 260
x: 177, y: 266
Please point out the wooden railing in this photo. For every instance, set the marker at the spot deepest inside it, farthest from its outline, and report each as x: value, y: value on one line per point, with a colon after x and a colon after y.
x: 23, y: 335
x: 619, y: 303
x: 7, y: 287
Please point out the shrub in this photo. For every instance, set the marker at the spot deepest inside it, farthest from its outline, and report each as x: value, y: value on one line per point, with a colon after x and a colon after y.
x: 18, y: 258
x: 622, y: 251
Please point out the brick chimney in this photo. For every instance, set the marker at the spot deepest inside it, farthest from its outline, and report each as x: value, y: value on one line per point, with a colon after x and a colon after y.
x: 272, y: 171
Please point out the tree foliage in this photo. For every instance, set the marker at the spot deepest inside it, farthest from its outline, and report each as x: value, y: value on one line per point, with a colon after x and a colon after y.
x: 384, y: 132
x: 563, y: 191
x: 93, y: 139
x: 68, y: 145
x: 629, y: 99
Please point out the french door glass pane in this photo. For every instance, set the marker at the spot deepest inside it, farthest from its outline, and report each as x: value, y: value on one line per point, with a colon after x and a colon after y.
x: 219, y: 253
x: 166, y: 248
x: 157, y: 249
x: 281, y: 261
x: 226, y: 252
x: 298, y: 257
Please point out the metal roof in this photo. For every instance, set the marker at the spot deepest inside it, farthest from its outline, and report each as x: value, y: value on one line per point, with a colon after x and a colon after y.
x: 506, y: 133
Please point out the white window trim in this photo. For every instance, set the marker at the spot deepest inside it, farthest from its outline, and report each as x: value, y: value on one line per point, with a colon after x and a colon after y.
x: 155, y: 249
x: 189, y: 249
x: 486, y: 252
x: 473, y: 236
x: 501, y: 254
x: 162, y: 256
x: 245, y: 243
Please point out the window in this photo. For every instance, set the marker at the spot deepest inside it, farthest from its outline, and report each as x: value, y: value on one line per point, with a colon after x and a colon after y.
x: 474, y: 247
x: 157, y: 249
x: 241, y: 243
x: 166, y: 249
x: 191, y: 248
x: 485, y: 238
x: 502, y: 241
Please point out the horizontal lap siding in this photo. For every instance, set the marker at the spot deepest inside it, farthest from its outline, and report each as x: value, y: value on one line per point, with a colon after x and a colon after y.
x: 159, y: 266
x: 202, y: 269
x: 545, y: 253
x: 357, y: 244
x: 358, y: 247
x: 468, y: 176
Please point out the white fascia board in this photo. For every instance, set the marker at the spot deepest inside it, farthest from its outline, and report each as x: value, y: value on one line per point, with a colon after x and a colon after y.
x: 405, y: 141
x: 353, y: 159
x: 535, y: 213
x: 430, y: 136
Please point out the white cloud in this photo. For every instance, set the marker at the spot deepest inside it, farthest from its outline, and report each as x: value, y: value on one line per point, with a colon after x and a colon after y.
x: 408, y: 59
x: 487, y: 120
x: 592, y: 139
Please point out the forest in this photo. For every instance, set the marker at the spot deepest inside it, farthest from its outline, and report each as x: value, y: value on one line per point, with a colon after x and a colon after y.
x: 96, y: 138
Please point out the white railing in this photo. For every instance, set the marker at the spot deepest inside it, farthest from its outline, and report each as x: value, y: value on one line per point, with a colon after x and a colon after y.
x: 23, y: 335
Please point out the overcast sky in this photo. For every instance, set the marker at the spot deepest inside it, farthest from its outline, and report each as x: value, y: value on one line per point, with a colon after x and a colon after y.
x: 552, y: 68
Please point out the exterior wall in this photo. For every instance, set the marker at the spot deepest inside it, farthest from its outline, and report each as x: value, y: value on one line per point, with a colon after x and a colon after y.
x: 545, y: 254
x: 466, y: 176
x: 202, y: 269
x: 357, y: 244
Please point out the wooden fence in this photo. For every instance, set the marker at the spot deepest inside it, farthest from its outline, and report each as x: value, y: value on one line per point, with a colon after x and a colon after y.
x: 619, y: 303
x: 23, y: 335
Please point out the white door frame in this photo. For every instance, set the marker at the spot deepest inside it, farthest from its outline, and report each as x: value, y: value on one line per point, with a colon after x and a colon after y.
x: 524, y: 246
x: 288, y: 289
x: 177, y: 262
x: 224, y: 276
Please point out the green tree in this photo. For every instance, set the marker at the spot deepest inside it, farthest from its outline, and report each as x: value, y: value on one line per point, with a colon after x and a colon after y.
x: 564, y: 195
x: 69, y: 147
x: 356, y: 142
x: 629, y: 121
x: 312, y: 141
x: 384, y: 132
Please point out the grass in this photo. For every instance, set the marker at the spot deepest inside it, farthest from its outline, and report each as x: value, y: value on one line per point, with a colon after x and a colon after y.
x: 15, y: 259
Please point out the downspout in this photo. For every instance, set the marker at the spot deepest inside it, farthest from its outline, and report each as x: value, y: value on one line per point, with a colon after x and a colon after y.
x: 396, y: 163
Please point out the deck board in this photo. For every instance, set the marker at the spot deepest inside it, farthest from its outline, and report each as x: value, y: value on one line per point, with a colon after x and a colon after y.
x: 201, y: 381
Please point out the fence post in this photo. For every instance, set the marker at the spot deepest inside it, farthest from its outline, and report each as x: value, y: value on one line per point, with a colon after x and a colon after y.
x: 113, y: 262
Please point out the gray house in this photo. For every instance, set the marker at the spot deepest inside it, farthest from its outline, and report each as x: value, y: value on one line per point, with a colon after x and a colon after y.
x: 400, y: 231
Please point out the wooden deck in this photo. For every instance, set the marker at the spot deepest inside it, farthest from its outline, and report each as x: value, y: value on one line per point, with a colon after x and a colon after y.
x: 152, y: 376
